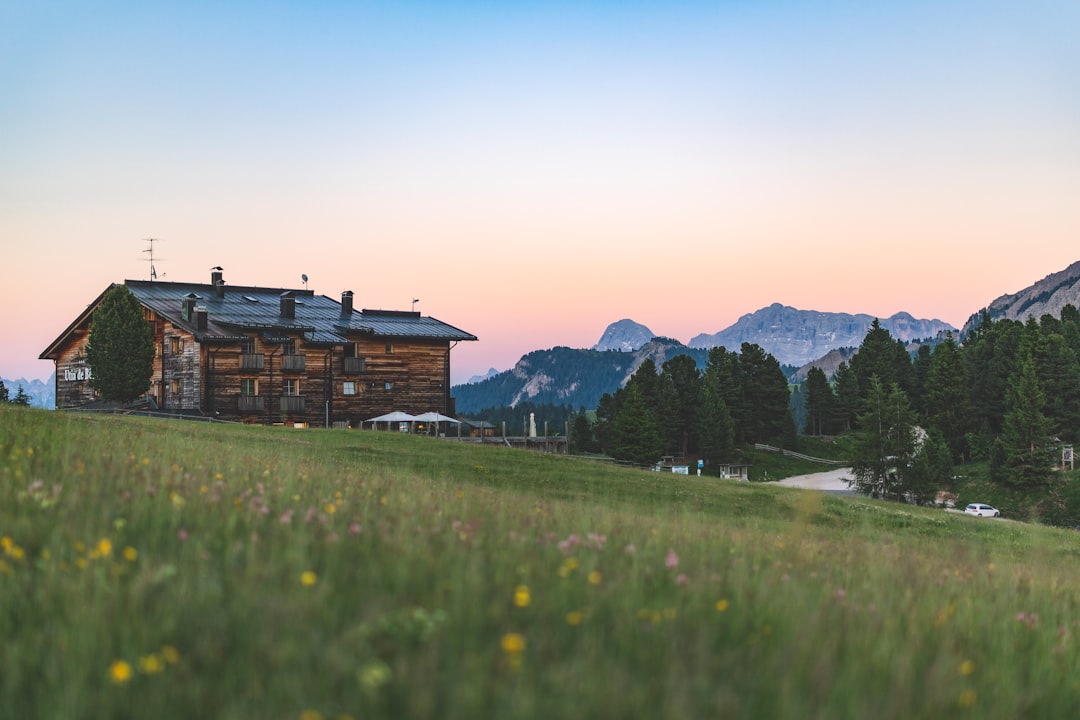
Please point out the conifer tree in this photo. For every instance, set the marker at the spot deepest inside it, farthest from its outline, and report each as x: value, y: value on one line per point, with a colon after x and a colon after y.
x: 634, y: 434
x: 886, y: 445
x: 3, y: 392
x: 820, y: 403
x: 946, y: 399
x: 21, y: 398
x: 120, y: 352
x: 1025, y: 437
x: 715, y: 427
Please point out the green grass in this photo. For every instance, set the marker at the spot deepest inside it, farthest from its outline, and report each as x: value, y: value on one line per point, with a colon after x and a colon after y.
x: 246, y: 572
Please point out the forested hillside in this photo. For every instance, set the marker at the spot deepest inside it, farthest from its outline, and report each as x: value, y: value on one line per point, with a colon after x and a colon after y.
x: 565, y: 376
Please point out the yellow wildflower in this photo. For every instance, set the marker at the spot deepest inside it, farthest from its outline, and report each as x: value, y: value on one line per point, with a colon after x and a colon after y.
x: 595, y: 577
x: 130, y: 553
x: 308, y: 578
x: 119, y: 672
x: 330, y: 508
x: 513, y: 643
x: 170, y: 654
x: 722, y: 605
x: 151, y: 664
x: 967, y: 667
x: 574, y: 617
x: 104, y: 547
x: 966, y: 699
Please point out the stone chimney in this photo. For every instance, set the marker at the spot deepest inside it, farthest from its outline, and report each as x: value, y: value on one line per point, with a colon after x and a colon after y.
x: 346, y: 302
x: 288, y: 306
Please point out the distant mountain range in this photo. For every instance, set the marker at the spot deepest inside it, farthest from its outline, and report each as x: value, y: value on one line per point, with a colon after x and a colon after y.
x: 42, y: 393
x: 792, y: 336
x: 796, y: 338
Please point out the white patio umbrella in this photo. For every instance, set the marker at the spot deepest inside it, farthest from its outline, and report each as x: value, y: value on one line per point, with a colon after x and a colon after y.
x: 392, y: 418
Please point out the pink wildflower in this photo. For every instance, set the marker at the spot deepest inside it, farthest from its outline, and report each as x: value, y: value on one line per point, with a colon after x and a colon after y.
x: 672, y: 560
x: 682, y: 580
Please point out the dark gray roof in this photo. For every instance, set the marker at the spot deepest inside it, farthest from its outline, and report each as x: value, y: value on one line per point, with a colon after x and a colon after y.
x: 242, y: 310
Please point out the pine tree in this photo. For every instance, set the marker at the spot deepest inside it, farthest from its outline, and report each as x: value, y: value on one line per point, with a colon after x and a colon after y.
x: 946, y: 400
x: 930, y: 471
x: 847, y: 397
x: 820, y: 403
x: 715, y: 427
x: 765, y: 394
x: 1059, y: 378
x: 886, y: 444
x: 634, y: 434
x: 1025, y: 436
x: 21, y: 398
x: 3, y: 392
x: 120, y: 352
x: 680, y: 380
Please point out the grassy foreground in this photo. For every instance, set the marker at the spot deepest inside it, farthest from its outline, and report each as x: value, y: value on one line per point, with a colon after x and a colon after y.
x: 174, y: 570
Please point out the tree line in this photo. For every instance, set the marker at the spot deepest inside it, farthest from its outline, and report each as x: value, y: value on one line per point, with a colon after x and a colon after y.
x: 1009, y: 395
x: 20, y: 397
x: 737, y: 398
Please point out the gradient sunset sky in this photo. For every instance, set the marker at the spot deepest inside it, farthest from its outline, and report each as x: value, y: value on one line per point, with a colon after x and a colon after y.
x: 535, y: 171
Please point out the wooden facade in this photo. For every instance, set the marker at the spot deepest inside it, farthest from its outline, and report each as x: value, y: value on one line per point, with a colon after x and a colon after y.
x: 274, y: 356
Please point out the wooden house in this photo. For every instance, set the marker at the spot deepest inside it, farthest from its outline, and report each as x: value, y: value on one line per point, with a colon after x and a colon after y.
x: 264, y: 355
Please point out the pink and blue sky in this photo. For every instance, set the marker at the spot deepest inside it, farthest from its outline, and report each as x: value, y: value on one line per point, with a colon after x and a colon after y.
x: 535, y: 171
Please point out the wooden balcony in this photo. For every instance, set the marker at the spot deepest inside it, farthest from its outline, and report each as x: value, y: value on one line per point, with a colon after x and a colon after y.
x: 252, y: 362
x: 251, y: 403
x: 354, y: 365
x: 292, y: 363
x: 292, y: 403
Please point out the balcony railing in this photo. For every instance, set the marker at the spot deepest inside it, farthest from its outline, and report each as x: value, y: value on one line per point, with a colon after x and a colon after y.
x: 354, y: 365
x: 292, y: 363
x: 251, y: 362
x: 251, y: 403
x: 292, y: 404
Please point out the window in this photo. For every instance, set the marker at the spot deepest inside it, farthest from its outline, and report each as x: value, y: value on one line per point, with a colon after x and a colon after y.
x: 288, y: 347
x: 348, y: 388
x: 174, y: 387
x: 291, y: 386
x: 247, y: 346
x: 249, y: 386
x: 176, y: 345
x: 389, y: 348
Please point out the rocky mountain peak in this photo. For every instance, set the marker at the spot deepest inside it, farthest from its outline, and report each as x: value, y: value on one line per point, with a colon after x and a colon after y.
x: 624, y: 336
x: 1046, y: 297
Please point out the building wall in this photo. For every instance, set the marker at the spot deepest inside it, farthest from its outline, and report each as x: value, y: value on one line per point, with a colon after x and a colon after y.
x: 73, y: 374
x: 411, y: 377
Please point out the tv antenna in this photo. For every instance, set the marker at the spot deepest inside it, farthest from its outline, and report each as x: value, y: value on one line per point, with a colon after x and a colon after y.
x: 303, y: 276
x: 414, y: 301
x: 150, y: 250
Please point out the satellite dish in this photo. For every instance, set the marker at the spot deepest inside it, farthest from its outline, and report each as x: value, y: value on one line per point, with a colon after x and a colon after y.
x: 304, y: 277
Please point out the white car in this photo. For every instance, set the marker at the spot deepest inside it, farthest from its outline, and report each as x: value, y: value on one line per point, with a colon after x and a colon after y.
x: 981, y: 510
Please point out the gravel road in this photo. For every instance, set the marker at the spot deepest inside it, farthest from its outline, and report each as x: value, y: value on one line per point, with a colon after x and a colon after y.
x: 829, y: 481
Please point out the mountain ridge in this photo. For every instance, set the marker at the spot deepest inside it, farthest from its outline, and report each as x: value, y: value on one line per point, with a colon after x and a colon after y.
x: 794, y: 337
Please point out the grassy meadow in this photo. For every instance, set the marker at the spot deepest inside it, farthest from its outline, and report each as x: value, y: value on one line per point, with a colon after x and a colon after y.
x: 159, y: 569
